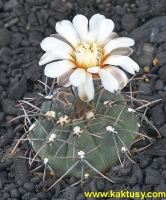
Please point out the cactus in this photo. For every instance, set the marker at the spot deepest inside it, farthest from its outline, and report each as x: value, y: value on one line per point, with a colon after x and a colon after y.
x: 67, y: 126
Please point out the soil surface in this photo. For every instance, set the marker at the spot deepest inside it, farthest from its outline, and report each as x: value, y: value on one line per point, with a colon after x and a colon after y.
x: 23, y: 24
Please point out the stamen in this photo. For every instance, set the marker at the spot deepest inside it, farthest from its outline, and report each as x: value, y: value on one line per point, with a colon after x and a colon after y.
x: 91, y: 55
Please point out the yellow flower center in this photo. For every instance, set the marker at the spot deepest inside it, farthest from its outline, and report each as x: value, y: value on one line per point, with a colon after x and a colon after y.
x: 89, y: 55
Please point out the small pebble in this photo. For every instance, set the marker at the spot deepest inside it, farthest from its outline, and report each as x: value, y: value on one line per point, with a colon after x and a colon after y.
x: 36, y: 3
x: 14, y: 193
x: 158, y: 115
x: 152, y: 176
x: 29, y: 186
x: 4, y: 37
x: 162, y: 130
x: 129, y: 22
x: 145, y: 89
x: 159, y: 85
x: 10, y: 4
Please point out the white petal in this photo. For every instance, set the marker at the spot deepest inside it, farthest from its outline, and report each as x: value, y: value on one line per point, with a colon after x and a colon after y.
x: 119, y: 75
x: 90, y: 38
x: 86, y: 90
x: 63, y: 80
x: 118, y: 42
x: 66, y: 29
x: 55, y: 69
x: 123, y: 61
x: 62, y: 54
x: 94, y: 24
x: 49, y: 44
x: 80, y: 23
x: 108, y: 81
x: 112, y: 36
x: 123, y: 51
x: 79, y: 58
x: 47, y: 57
x: 60, y: 37
x: 93, y: 70
x: 105, y: 30
x: 77, y: 77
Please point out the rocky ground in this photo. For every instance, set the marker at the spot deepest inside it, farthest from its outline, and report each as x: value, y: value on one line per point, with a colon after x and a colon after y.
x: 23, y: 24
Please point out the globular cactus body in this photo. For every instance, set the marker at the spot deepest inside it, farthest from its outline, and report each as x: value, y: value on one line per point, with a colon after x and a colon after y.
x: 90, y: 135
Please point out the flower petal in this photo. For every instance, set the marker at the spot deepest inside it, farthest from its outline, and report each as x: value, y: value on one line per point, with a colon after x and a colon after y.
x: 119, y: 75
x: 49, y: 44
x: 47, y: 57
x: 55, y: 69
x: 108, y: 80
x: 77, y: 77
x: 63, y: 80
x: 112, y: 36
x: 93, y: 70
x: 105, y: 30
x: 123, y: 61
x: 79, y: 58
x: 123, y: 51
x: 116, y: 43
x: 66, y: 29
x: 59, y: 37
x: 94, y: 24
x: 62, y: 54
x: 80, y: 23
x: 86, y: 90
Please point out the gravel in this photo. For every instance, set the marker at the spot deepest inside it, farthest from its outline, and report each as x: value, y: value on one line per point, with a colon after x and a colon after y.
x: 23, y: 25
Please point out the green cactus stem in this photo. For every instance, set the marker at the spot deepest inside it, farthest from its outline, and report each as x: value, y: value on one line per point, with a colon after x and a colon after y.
x: 89, y: 127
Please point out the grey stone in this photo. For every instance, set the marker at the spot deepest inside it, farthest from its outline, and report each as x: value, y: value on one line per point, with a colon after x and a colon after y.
x: 4, y: 37
x: 145, y: 89
x: 129, y: 22
x: 158, y: 116
x: 162, y: 130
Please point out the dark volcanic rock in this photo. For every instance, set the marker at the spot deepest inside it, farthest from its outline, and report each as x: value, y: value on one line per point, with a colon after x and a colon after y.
x: 158, y: 148
x: 15, y: 40
x: 4, y: 37
x: 160, y: 37
x: 162, y: 72
x: 21, y: 169
x: 162, y: 130
x: 159, y: 85
x: 144, y: 54
x: 7, y: 138
x: 8, y: 107
x: 147, y: 29
x: 152, y: 176
x: 158, y: 116
x: 145, y: 89
x: 10, y: 4
x: 129, y: 22
x: 58, y: 5
x: 29, y: 186
x: 36, y: 3
x: 71, y: 193
x: 18, y: 91
x: 149, y: 8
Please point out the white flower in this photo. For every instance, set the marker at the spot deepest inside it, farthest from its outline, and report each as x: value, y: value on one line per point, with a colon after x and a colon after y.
x: 83, y: 51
